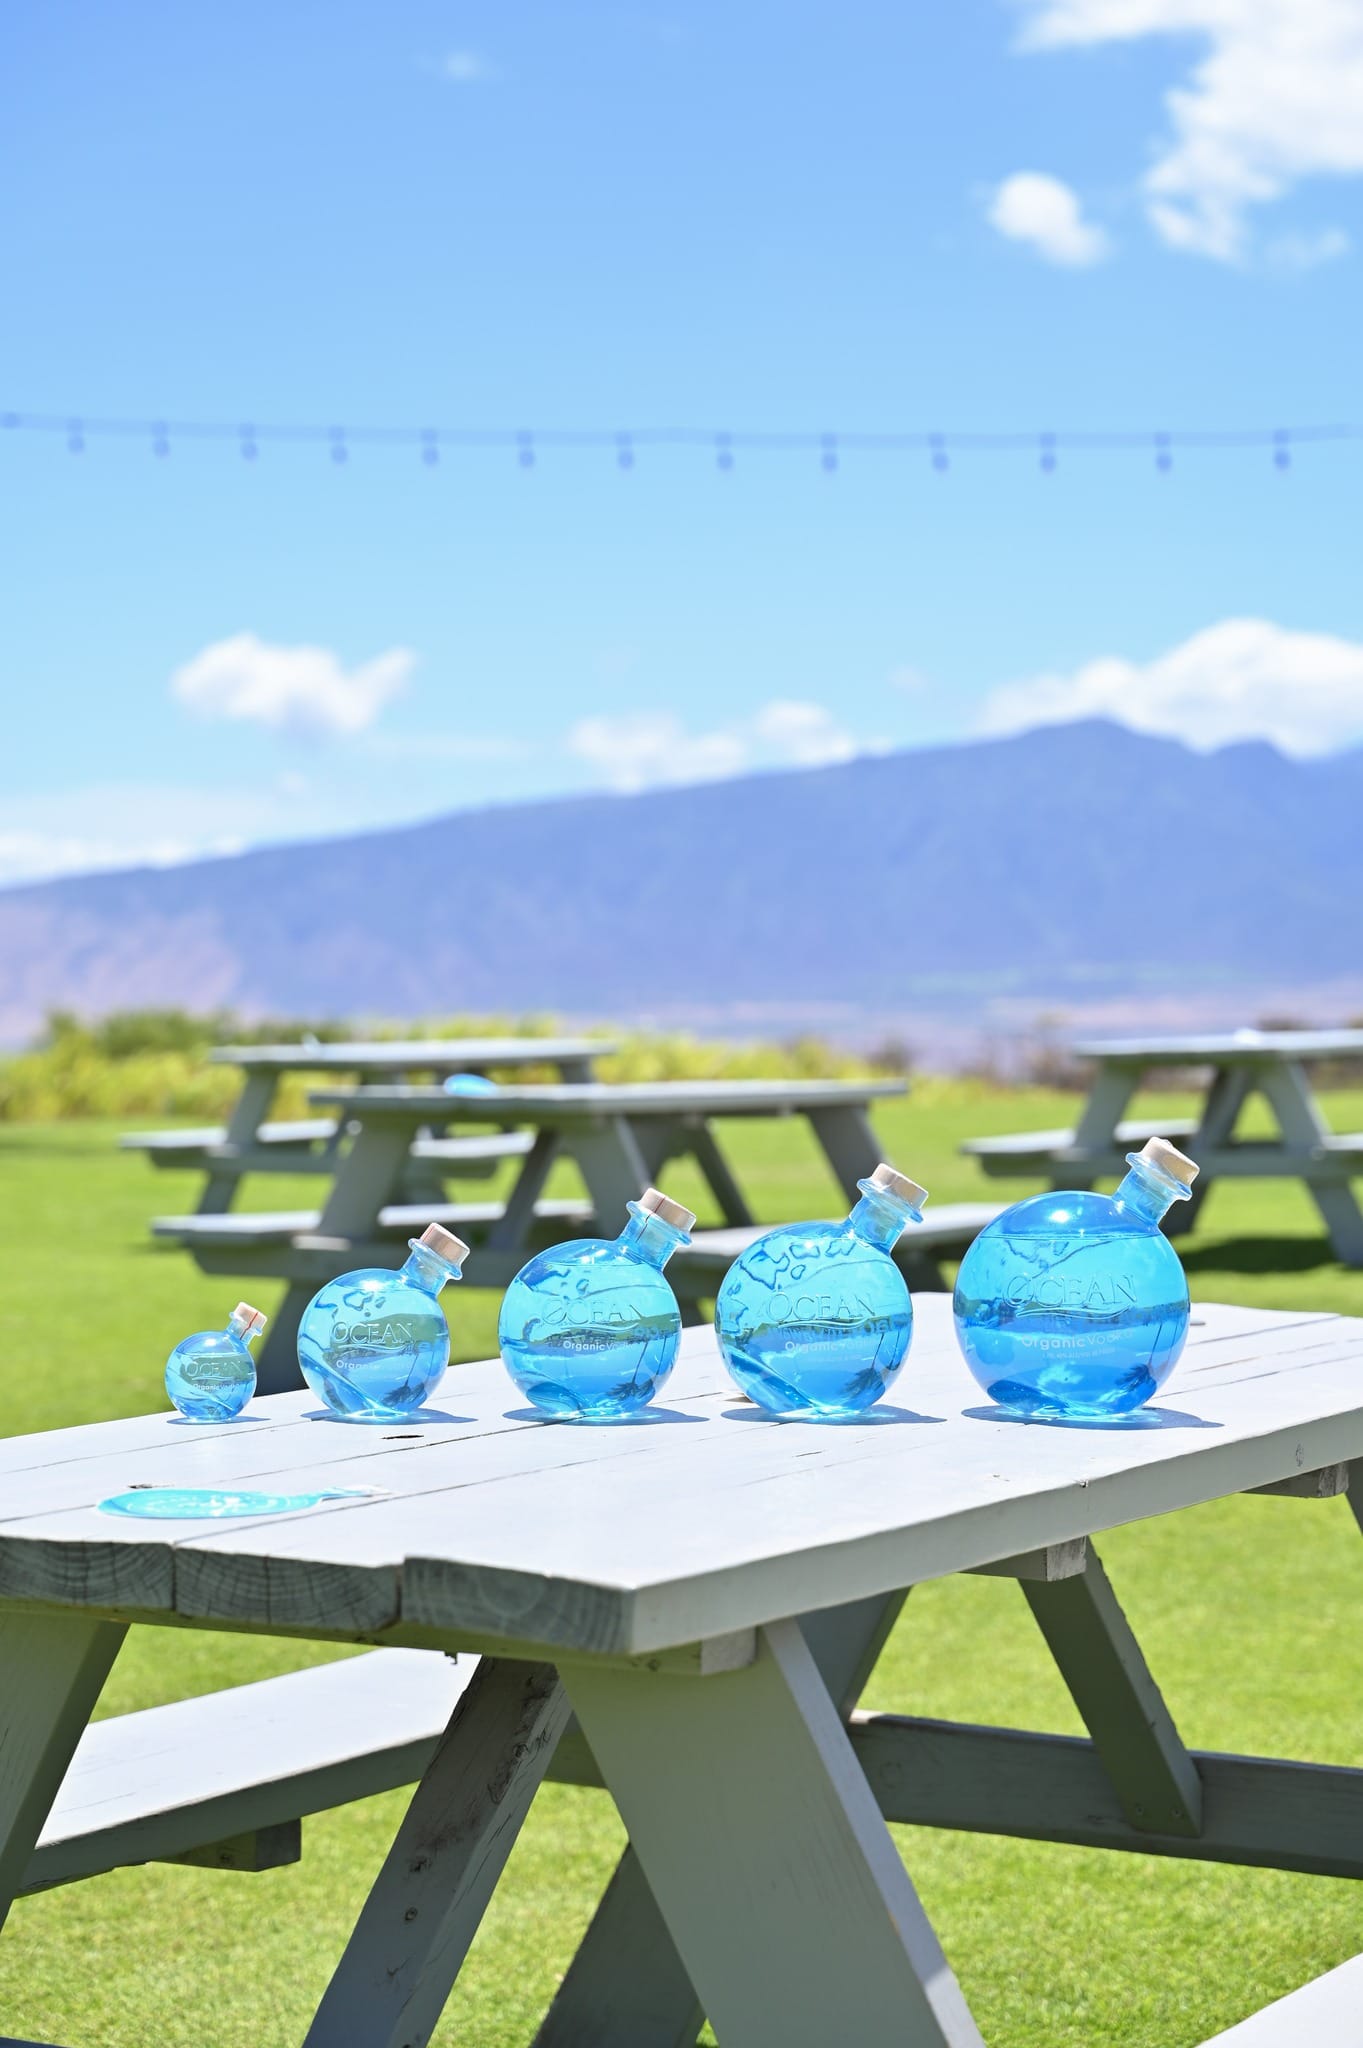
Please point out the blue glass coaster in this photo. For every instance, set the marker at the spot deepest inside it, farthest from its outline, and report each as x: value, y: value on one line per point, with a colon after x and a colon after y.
x: 204, y: 1504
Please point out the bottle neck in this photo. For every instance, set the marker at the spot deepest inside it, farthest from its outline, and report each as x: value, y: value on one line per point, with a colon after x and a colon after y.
x: 236, y: 1326
x: 426, y: 1270
x: 648, y: 1238
x: 880, y: 1218
x: 1147, y: 1193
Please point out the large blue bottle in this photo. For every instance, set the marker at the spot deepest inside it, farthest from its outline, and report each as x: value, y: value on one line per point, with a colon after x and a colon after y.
x: 589, y: 1330
x: 373, y: 1344
x: 1075, y: 1304
x: 815, y: 1318
x: 211, y: 1375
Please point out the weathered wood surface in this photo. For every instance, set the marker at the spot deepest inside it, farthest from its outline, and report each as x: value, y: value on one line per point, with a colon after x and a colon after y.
x: 1222, y: 1048
x: 396, y: 1220
x: 401, y: 1055
x: 1020, y: 1151
x: 156, y: 1785
x: 569, y: 1103
x: 1325, y: 2014
x: 702, y: 1518
x: 430, y: 1896
x: 814, y: 1924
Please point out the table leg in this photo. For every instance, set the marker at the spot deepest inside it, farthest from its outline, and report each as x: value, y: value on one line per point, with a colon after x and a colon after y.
x: 613, y: 1167
x: 1225, y: 1099
x: 1304, y: 1128
x: 427, y: 1902
x: 766, y: 1852
x: 849, y: 1144
x: 277, y: 1364
x: 52, y: 1667
x: 1113, y: 1087
x: 627, y: 1987
x: 513, y: 1226
x: 249, y: 1112
x: 704, y: 1148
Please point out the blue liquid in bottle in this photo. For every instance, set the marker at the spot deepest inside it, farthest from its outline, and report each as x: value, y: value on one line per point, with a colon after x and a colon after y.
x: 373, y: 1345
x: 1075, y: 1305
x: 211, y: 1375
x: 589, y: 1330
x: 815, y: 1318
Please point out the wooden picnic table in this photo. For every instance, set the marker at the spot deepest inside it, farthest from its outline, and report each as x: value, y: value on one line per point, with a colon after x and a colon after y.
x: 251, y: 1143
x: 619, y: 1135
x: 706, y: 1591
x: 1239, y: 1065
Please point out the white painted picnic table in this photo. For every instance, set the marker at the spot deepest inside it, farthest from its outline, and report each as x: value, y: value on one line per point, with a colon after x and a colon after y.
x: 620, y: 1135
x: 706, y: 1591
x: 251, y: 1143
x: 1239, y: 1064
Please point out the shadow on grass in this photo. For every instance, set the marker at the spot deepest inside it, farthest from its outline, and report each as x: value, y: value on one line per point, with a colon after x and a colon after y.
x: 1259, y: 1255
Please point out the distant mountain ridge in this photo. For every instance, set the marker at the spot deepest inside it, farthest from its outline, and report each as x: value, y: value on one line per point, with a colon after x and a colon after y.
x: 1072, y: 858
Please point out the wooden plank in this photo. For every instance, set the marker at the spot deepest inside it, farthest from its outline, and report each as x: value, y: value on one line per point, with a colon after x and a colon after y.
x: 1328, y: 2013
x: 394, y: 1222
x: 1205, y: 1048
x: 1101, y: 1662
x: 52, y: 1668
x: 1052, y: 1562
x: 1294, y: 1105
x: 1325, y: 1484
x: 399, y: 1055
x: 785, y: 1896
x: 564, y: 1104
x: 427, y: 1902
x: 158, y: 1785
x: 266, y: 1849
x: 1130, y: 1132
x: 1257, y: 1811
x: 627, y: 1987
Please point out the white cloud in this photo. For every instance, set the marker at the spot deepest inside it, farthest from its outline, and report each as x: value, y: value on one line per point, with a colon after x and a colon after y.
x: 646, y: 748
x: 125, y: 824
x: 1275, y: 98
x: 466, y: 67
x: 289, y: 688
x: 1032, y: 207
x: 1241, y: 679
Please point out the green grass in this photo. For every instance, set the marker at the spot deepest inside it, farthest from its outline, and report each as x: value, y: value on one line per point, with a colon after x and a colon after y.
x: 1247, y: 1609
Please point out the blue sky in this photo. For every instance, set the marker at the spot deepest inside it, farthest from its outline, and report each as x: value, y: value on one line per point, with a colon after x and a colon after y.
x: 1046, y: 214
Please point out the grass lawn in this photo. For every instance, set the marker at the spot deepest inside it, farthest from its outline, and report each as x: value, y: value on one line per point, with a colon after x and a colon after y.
x: 1248, y: 1611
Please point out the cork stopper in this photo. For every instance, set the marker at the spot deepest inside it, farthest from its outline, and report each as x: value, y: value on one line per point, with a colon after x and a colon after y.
x: 1170, y: 1161
x: 899, y: 1185
x: 444, y: 1244
x: 659, y: 1204
x: 249, y: 1321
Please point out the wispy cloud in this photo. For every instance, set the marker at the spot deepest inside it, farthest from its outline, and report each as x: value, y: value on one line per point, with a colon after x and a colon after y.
x: 1274, y: 99
x: 1240, y: 679
x: 467, y: 67
x: 1043, y: 212
x: 643, y: 749
x: 300, y: 689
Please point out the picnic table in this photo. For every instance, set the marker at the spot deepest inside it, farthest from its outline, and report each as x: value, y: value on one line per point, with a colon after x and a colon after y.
x: 251, y: 1143
x: 1239, y: 1065
x: 706, y: 1592
x: 619, y: 1135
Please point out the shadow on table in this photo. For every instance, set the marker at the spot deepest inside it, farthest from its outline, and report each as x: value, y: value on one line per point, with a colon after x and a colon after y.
x: 1259, y: 1255
x: 878, y: 1417
x: 642, y: 1418
x: 390, y: 1426
x: 1108, y: 1425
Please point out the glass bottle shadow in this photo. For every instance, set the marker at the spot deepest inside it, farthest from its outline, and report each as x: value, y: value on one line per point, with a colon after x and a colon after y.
x: 418, y: 1418
x: 633, y: 1419
x: 1110, y: 1425
x: 880, y: 1416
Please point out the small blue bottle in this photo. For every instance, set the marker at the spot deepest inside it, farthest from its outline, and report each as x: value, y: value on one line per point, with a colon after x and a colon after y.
x: 1075, y: 1305
x: 815, y: 1318
x: 589, y: 1330
x: 211, y: 1376
x: 373, y: 1345
x: 468, y: 1084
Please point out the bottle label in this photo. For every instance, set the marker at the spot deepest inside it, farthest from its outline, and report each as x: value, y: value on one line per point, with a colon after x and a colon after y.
x: 392, y: 1331
x: 1102, y: 1297
x: 204, y: 1371
x: 841, y: 1309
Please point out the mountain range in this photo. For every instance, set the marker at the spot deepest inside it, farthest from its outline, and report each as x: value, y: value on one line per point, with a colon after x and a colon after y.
x: 1064, y: 865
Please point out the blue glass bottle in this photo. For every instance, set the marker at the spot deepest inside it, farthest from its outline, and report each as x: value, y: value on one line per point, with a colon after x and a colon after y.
x: 373, y: 1345
x: 1076, y: 1305
x: 589, y: 1330
x: 468, y: 1084
x: 815, y: 1318
x: 211, y: 1375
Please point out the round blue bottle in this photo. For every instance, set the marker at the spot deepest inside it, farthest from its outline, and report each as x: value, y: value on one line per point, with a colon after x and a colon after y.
x: 815, y: 1318
x: 373, y: 1345
x: 1075, y: 1305
x: 211, y: 1375
x: 589, y: 1330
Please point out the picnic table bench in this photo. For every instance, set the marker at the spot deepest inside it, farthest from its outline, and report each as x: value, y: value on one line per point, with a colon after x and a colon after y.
x: 250, y: 1142
x: 1240, y: 1065
x: 683, y: 1611
x: 619, y: 1135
